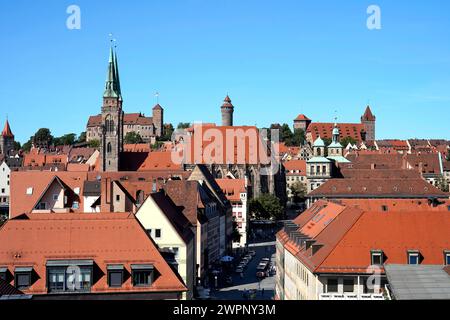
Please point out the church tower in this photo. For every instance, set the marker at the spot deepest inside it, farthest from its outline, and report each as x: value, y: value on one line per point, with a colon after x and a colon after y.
x: 6, y: 140
x: 111, y: 144
x: 368, y: 120
x: 227, y: 112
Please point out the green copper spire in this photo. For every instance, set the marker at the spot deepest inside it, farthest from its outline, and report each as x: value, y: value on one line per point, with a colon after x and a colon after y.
x: 111, y: 90
x: 116, y: 66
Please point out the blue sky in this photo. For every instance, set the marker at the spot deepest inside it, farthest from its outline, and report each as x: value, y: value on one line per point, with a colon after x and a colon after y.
x: 276, y: 59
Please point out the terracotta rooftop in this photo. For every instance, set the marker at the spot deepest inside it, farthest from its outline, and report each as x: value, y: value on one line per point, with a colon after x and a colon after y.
x: 7, y: 130
x: 325, y: 130
x: 302, y: 117
x: 368, y: 115
x: 118, y: 239
x: 232, y: 188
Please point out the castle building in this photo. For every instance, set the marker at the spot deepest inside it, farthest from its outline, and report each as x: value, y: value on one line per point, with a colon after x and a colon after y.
x: 360, y: 132
x: 6, y: 140
x: 227, y: 112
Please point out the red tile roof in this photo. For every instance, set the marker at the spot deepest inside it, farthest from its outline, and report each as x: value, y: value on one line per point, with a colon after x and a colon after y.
x: 325, y: 130
x: 368, y: 115
x: 293, y: 165
x: 302, y: 117
x: 345, y: 236
x: 118, y: 239
x: 7, y: 130
x: 159, y: 160
x: 232, y: 188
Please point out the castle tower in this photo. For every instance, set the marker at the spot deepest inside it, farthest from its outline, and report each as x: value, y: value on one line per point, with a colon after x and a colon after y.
x: 158, y: 120
x: 368, y: 120
x: 112, y: 119
x: 6, y: 140
x: 227, y: 112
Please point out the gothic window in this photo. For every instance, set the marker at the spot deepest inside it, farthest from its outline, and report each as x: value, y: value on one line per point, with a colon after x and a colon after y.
x: 109, y: 148
x: 319, y: 153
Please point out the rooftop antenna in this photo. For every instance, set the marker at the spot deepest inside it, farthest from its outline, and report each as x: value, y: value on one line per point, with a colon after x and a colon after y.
x: 157, y: 97
x: 335, y: 116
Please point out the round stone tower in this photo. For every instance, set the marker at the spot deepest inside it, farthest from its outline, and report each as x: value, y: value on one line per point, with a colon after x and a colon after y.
x: 227, y: 112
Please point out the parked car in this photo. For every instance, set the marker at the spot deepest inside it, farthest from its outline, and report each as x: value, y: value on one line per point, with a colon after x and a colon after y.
x: 239, y: 269
x: 260, y: 274
x: 265, y: 259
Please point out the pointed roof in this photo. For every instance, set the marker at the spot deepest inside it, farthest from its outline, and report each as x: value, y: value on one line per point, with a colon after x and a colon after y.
x: 116, y: 72
x: 302, y: 117
x: 157, y: 107
x: 7, y: 130
x: 111, y: 86
x: 368, y: 115
x: 227, y: 102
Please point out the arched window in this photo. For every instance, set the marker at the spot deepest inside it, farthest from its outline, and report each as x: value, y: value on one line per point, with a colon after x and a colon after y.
x: 109, y: 148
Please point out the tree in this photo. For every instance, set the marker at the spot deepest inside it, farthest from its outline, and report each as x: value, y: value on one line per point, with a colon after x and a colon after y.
x: 298, y: 191
x: 346, y: 140
x: 442, y: 184
x: 65, y: 140
x: 16, y: 145
x: 94, y: 144
x: 327, y: 141
x: 42, y: 137
x: 298, y: 138
x: 167, y: 133
x: 266, y: 206
x: 183, y: 125
x: 448, y: 155
x: 133, y: 138
x: 82, y: 137
x: 156, y: 145
x: 27, y: 146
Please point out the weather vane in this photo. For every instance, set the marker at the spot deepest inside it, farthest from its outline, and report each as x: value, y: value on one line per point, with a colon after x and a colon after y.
x: 157, y: 97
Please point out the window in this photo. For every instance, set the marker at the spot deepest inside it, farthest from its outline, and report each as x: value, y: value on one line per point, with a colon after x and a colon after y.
x: 55, y: 197
x: 3, y: 271
x: 22, y: 277
x: 157, y: 233
x: 3, y: 190
x: 42, y: 206
x: 69, y: 275
x: 447, y: 257
x: 149, y: 232
x: 332, y: 285
x: 142, y: 275
x: 413, y: 257
x: 349, y: 285
x: 384, y: 208
x: 376, y: 257
x: 118, y: 197
x: 115, y: 275
x: 75, y: 205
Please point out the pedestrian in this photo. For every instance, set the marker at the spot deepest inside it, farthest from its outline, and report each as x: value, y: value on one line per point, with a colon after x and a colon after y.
x: 262, y: 292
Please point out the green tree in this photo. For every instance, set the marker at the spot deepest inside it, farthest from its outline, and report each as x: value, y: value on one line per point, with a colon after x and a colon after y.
x: 298, y: 138
x: 235, y: 236
x: 82, y: 137
x: 265, y: 207
x: 327, y: 141
x: 17, y: 145
x: 167, y: 133
x: 133, y: 138
x: 94, y: 144
x: 442, y: 184
x: 27, y: 146
x: 65, y: 140
x: 298, y: 191
x: 42, y: 137
x: 346, y: 140
x: 156, y: 145
x: 183, y: 125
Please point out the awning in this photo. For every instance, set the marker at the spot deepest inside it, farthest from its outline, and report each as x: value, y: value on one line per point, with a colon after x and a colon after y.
x: 66, y: 263
x: 23, y: 269
x: 118, y: 267
x: 142, y: 267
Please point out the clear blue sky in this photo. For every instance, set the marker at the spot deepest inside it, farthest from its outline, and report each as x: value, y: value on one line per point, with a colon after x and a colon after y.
x: 276, y: 59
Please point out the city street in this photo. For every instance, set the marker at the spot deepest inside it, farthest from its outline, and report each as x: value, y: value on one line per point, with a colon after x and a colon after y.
x: 250, y: 281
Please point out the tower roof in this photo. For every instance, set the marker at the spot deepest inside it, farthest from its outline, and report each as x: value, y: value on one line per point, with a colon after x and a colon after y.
x: 112, y: 86
x: 227, y: 102
x: 368, y: 115
x: 157, y: 107
x: 302, y: 117
x: 319, y: 142
x: 116, y: 72
x: 7, y: 130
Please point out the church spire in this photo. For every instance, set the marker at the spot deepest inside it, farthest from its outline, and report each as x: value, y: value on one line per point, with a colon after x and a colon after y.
x: 111, y: 86
x: 116, y: 72
x: 7, y: 130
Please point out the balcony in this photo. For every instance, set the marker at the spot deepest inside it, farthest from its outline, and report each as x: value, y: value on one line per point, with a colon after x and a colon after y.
x: 351, y: 296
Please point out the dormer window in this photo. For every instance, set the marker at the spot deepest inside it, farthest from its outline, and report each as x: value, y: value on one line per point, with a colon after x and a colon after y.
x: 377, y: 257
x: 413, y: 257
x: 447, y: 257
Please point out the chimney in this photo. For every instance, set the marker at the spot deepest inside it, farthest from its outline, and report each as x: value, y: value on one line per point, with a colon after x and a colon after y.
x: 154, y: 186
x: 106, y: 197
